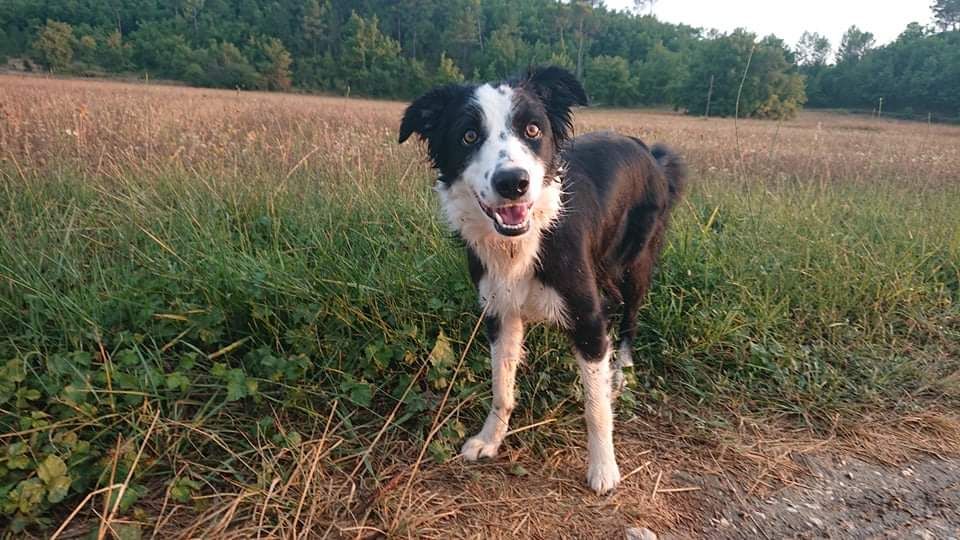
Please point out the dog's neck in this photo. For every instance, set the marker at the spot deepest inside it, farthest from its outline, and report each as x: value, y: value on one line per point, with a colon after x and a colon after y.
x: 513, y: 259
x: 509, y: 259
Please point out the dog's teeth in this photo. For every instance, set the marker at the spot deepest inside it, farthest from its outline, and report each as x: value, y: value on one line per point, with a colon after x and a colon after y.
x: 513, y: 227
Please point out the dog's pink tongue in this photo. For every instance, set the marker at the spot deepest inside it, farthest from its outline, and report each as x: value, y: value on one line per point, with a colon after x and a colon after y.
x: 513, y: 215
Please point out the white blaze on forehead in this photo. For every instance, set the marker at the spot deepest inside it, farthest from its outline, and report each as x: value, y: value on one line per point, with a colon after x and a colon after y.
x: 501, y: 147
x: 497, y: 107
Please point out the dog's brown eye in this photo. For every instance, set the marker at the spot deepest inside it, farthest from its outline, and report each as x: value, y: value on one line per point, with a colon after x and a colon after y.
x: 470, y: 137
x: 532, y: 131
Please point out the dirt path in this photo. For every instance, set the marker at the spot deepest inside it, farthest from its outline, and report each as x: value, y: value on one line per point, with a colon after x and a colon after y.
x: 844, y: 498
x: 881, y: 481
x: 878, y: 479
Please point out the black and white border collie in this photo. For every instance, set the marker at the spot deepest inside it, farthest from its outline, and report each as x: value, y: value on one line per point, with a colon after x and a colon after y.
x: 556, y: 229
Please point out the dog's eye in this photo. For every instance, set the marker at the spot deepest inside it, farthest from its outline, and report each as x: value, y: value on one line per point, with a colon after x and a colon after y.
x: 470, y: 137
x: 532, y: 131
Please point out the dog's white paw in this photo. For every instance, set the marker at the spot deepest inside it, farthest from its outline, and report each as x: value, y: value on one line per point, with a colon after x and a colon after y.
x: 624, y: 357
x: 603, y: 477
x: 477, y: 447
x: 618, y: 381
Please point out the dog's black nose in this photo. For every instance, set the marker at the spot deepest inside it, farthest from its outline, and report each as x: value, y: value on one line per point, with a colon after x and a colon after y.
x: 511, y: 183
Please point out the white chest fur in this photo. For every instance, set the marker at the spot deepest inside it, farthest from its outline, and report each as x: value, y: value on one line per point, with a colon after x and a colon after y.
x: 509, y: 285
x: 525, y: 296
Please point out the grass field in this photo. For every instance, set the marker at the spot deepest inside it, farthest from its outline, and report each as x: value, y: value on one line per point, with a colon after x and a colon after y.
x: 230, y: 314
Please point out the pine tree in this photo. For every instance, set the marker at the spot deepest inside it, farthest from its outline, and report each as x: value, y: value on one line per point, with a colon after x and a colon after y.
x: 947, y: 14
x: 314, y: 24
x: 447, y: 71
x: 276, y: 68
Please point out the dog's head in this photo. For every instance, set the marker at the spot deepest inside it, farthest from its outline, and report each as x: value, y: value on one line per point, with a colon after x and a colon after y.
x: 496, y: 146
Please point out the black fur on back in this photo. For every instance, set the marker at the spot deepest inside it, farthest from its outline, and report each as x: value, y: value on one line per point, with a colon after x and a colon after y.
x: 619, y: 194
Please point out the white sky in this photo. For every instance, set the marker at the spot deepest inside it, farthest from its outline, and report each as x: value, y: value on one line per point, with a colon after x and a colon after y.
x: 789, y: 18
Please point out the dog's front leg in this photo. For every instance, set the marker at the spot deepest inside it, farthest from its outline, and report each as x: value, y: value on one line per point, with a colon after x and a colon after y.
x: 593, y: 355
x: 506, y: 350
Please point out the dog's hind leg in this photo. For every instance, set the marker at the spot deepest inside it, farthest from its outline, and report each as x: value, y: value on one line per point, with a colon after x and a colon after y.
x: 506, y: 351
x: 633, y: 289
x: 638, y: 253
x: 628, y: 331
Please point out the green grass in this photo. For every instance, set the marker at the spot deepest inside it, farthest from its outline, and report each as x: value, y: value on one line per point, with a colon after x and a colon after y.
x: 246, y: 311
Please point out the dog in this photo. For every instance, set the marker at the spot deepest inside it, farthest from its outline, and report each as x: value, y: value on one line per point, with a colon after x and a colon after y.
x: 556, y: 229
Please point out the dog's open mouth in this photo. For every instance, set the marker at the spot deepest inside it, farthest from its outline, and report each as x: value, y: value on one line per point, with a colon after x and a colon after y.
x: 509, y: 220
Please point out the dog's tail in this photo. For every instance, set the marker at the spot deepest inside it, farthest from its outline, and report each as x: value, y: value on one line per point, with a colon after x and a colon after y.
x: 674, y: 168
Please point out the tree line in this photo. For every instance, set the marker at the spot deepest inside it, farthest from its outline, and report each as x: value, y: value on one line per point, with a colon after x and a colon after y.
x: 398, y: 48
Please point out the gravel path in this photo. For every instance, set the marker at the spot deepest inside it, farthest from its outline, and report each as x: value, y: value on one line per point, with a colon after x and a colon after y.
x: 848, y: 498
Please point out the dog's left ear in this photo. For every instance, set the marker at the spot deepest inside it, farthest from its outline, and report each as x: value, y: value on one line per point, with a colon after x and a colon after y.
x: 423, y: 115
x: 559, y: 90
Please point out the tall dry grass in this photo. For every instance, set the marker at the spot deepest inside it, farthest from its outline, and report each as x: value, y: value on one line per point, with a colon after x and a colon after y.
x: 106, y: 128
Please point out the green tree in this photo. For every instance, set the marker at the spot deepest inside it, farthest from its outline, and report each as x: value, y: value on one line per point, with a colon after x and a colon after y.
x: 87, y: 49
x: 505, y: 52
x: 53, y: 47
x: 785, y: 96
x: 113, y: 54
x: 912, y: 32
x: 639, y: 6
x: 447, y: 72
x: 414, y: 26
x: 854, y: 45
x: 583, y: 14
x: 813, y: 49
x: 370, y: 62
x: 775, y: 84
x: 947, y: 14
x: 316, y: 72
x: 191, y: 11
x: 544, y: 53
x: 608, y: 81
x: 396, y: 48
x: 223, y: 65
x: 463, y: 34
x: 5, y: 45
x: 812, y: 52
x: 917, y: 73
x: 771, y: 87
x: 315, y: 24
x: 163, y: 52
x: 657, y: 76
x: 275, y: 67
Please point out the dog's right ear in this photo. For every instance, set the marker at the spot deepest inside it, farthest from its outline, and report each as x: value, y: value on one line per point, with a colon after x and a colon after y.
x: 423, y: 115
